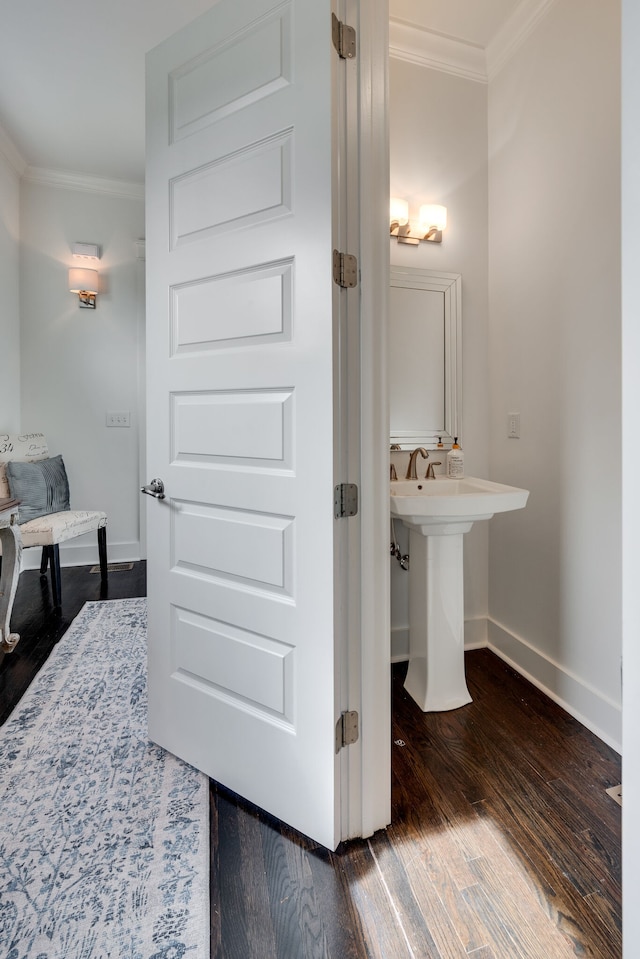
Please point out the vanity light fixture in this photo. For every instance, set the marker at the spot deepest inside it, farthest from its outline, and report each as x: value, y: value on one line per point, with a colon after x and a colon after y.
x: 83, y: 280
x: 432, y: 220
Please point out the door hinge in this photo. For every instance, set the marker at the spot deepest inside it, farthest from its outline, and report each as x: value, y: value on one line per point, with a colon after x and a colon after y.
x: 347, y: 729
x: 345, y: 500
x: 344, y: 38
x: 345, y: 269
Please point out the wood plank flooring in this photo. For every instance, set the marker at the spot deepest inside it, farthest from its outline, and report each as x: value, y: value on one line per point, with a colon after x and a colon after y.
x: 503, y: 843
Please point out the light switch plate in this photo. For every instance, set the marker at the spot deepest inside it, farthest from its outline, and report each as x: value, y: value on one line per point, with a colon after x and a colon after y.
x: 513, y: 426
x: 118, y: 419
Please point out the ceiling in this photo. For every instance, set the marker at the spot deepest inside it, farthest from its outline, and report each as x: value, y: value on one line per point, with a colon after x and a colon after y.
x: 72, y: 71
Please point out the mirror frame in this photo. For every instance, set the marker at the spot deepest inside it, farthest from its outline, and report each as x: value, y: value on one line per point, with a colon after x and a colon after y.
x: 450, y: 285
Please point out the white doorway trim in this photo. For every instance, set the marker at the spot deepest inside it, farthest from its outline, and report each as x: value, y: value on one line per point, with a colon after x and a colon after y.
x: 373, y: 45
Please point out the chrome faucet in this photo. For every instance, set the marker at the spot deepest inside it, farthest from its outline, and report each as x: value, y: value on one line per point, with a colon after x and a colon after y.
x: 430, y: 474
x: 411, y: 468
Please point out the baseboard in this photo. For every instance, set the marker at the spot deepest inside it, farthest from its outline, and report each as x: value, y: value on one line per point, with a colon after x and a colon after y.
x: 84, y: 554
x: 594, y: 710
x: 597, y: 712
x: 475, y: 637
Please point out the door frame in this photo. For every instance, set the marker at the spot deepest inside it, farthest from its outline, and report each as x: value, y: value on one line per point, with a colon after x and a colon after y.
x: 370, y: 804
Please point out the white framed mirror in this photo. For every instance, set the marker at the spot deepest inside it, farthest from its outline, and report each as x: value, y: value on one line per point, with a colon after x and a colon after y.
x: 425, y: 356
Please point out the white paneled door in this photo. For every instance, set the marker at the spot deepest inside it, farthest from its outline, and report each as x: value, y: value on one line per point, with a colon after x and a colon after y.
x: 245, y: 614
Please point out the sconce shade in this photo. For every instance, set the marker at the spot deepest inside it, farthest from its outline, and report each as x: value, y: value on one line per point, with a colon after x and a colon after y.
x: 432, y: 216
x: 83, y: 281
x: 431, y: 222
x: 398, y: 210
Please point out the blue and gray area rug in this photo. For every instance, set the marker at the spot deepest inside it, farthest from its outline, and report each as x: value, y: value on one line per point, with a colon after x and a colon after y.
x: 104, y: 844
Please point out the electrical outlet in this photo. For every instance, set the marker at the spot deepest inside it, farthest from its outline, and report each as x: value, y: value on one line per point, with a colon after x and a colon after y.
x: 513, y: 426
x: 118, y: 419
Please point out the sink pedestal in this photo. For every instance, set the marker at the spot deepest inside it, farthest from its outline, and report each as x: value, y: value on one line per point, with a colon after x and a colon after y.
x: 436, y: 678
x: 438, y: 513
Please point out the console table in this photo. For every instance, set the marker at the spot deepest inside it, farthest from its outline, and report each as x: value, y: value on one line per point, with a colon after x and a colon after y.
x: 11, y: 556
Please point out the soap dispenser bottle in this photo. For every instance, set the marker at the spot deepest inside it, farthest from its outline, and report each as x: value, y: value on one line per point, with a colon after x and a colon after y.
x: 455, y: 461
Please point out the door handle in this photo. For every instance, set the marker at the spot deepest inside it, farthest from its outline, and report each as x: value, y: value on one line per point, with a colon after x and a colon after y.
x: 155, y: 488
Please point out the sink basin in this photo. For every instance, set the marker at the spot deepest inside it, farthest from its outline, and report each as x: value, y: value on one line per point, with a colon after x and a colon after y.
x: 458, y: 503
x: 438, y: 512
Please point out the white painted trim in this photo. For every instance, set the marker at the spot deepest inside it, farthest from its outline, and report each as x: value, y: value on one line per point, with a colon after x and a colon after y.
x: 630, y: 357
x: 589, y: 706
x: 420, y: 46
x: 84, y: 183
x: 513, y: 34
x: 82, y: 554
x: 426, y: 49
x: 375, y: 592
x: 141, y: 392
x: 10, y: 152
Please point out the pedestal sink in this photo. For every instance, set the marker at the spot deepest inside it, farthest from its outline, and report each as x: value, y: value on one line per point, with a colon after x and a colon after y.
x: 438, y: 512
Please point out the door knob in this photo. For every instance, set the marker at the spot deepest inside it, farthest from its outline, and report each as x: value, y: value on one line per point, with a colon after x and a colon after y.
x: 155, y: 488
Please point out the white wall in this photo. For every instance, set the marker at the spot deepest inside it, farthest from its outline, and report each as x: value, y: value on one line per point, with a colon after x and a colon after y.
x: 554, y: 267
x: 9, y: 295
x: 438, y: 154
x: 76, y: 363
x: 631, y: 470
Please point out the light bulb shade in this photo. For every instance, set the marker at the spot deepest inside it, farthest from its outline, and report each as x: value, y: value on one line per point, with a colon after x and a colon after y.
x: 432, y: 217
x: 83, y: 281
x: 399, y: 210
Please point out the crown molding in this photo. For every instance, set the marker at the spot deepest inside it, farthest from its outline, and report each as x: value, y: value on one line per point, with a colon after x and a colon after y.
x: 514, y: 32
x: 84, y: 183
x: 10, y: 152
x: 426, y: 49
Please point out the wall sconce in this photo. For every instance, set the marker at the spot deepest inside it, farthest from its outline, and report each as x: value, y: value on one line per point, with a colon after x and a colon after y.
x: 432, y: 220
x: 82, y: 280
x: 85, y: 284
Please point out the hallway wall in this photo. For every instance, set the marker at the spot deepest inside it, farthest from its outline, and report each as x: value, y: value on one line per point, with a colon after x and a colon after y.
x: 9, y: 289
x: 77, y: 364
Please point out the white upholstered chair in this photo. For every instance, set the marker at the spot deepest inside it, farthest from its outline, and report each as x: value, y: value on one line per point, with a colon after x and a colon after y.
x: 45, y: 519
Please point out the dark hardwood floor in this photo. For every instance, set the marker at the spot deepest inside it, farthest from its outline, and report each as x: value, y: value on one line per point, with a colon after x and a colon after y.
x: 503, y: 843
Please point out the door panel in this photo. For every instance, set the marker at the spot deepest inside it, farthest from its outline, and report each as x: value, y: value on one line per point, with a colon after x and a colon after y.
x: 242, y: 423
x: 260, y: 300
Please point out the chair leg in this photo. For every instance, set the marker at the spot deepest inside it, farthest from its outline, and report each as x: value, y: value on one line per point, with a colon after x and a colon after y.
x: 44, y: 561
x: 54, y: 566
x: 102, y: 553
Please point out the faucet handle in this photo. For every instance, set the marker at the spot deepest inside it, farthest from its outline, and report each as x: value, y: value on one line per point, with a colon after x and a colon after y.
x: 430, y: 474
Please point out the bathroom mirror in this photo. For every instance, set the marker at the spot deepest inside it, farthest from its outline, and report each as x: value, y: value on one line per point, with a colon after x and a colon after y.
x: 425, y: 349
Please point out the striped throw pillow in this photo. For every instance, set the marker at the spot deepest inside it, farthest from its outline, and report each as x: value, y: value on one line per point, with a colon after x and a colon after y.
x: 42, y: 487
